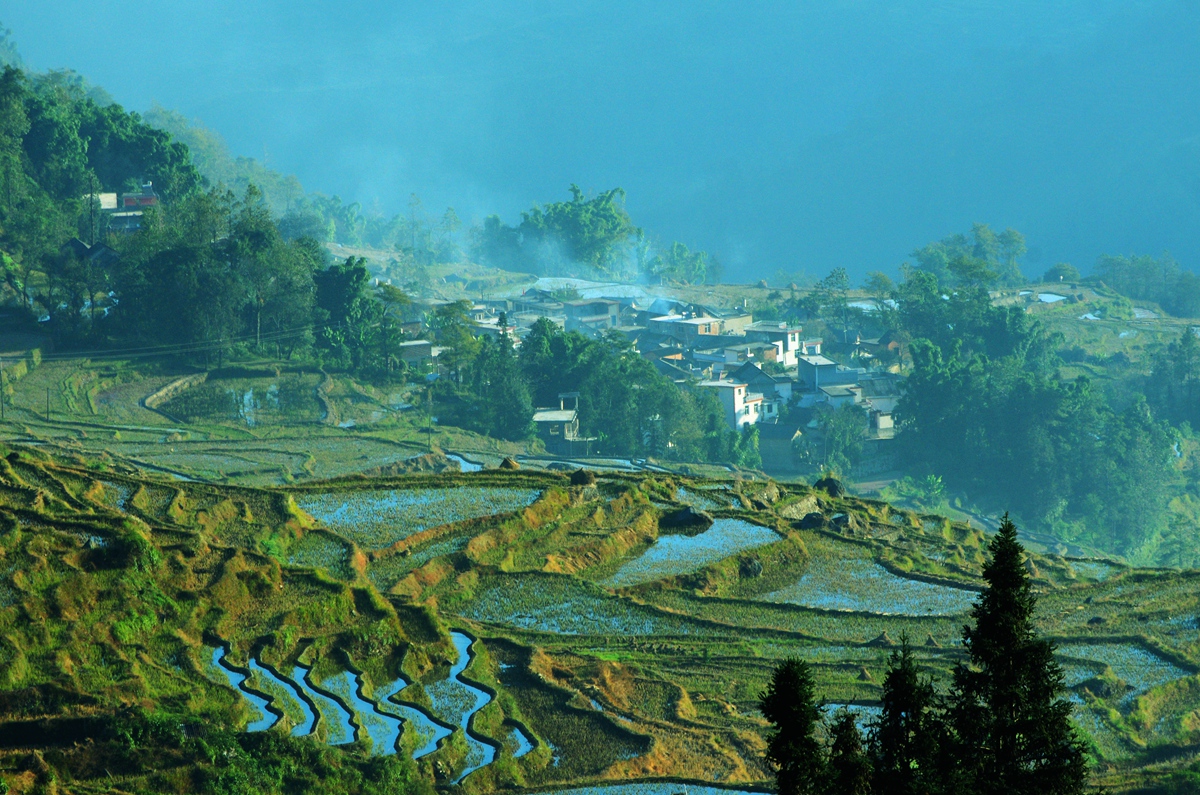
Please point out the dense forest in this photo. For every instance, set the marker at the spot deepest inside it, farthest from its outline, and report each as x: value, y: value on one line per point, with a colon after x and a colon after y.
x: 985, y: 409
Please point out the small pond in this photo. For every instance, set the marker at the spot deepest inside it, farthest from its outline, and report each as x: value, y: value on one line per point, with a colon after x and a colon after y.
x: 464, y: 464
x: 518, y: 742
x: 671, y: 555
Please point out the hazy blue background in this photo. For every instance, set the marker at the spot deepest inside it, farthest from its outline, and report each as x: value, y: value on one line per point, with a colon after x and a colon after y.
x: 777, y: 134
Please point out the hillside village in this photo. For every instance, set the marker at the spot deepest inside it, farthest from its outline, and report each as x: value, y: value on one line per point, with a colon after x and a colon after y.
x: 766, y: 374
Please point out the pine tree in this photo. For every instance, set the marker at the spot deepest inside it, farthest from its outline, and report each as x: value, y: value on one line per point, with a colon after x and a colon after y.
x: 849, y: 766
x: 1013, y: 734
x: 789, y: 703
x: 906, y: 739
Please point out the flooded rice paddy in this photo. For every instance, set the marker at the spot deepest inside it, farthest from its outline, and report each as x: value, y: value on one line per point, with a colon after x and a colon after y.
x: 678, y: 554
x: 566, y: 606
x: 378, y: 519
x: 859, y: 584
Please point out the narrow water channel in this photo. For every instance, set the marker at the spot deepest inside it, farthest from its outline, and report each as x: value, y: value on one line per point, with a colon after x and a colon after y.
x: 309, y: 724
x: 466, y: 703
x: 382, y: 728
x: 339, y: 727
x: 427, y: 733
x: 237, y: 681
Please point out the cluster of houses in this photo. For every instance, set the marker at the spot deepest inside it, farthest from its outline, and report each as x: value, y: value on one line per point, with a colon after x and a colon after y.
x: 765, y: 373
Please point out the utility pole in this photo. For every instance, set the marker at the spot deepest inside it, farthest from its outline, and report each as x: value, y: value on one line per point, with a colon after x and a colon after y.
x: 1, y: 390
x: 47, y: 404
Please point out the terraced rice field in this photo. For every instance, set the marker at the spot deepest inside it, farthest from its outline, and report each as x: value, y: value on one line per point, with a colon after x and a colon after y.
x: 671, y: 555
x: 1137, y: 667
x: 844, y: 577
x: 378, y: 519
x: 567, y: 606
x: 859, y: 585
x: 323, y: 551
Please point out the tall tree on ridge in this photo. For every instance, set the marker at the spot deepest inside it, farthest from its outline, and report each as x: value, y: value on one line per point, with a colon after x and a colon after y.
x: 1013, y: 734
x: 789, y: 703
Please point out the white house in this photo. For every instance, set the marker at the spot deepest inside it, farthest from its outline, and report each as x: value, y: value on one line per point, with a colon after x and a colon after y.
x: 741, y: 406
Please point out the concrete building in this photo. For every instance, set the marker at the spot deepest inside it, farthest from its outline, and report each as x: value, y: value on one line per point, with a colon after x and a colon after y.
x: 558, y: 428
x: 741, y: 406
x: 595, y: 314
x: 816, y: 370
x: 786, y: 338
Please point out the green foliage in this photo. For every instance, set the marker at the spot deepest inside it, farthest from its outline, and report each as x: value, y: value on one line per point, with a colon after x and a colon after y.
x: 1062, y: 272
x: 503, y: 407
x: 745, y: 451
x: 590, y: 235
x: 839, y: 445
x: 678, y: 264
x: 623, y: 400
x: 1173, y: 388
x: 1013, y: 733
x: 9, y: 55
x: 849, y: 766
x: 1145, y: 278
x: 984, y: 410
x: 907, y: 738
x: 789, y: 705
x: 979, y: 259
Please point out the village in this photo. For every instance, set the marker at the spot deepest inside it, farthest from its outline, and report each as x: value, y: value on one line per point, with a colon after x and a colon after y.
x: 767, y: 374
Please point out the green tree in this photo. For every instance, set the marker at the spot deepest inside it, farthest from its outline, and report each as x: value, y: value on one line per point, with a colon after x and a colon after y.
x: 1062, y: 272
x: 593, y: 232
x: 746, y: 452
x: 793, y: 751
x: 906, y: 738
x: 880, y: 287
x: 678, y: 264
x: 975, y: 259
x: 348, y: 313
x: 502, y: 408
x: 1011, y: 244
x: 832, y: 296
x: 1013, y: 732
x: 849, y: 766
x: 452, y: 328
x: 843, y: 430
